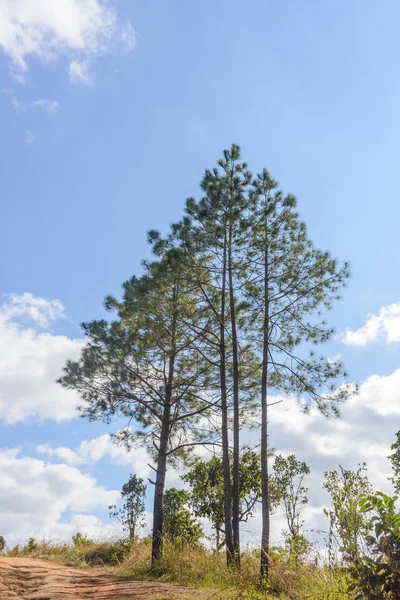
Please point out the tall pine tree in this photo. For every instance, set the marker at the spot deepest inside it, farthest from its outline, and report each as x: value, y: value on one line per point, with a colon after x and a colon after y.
x: 214, y: 235
x: 291, y: 285
x: 146, y: 368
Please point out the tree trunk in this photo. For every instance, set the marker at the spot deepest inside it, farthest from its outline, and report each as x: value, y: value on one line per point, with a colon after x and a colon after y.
x: 264, y: 567
x: 158, y: 510
x: 236, y: 442
x: 224, y: 427
x: 132, y: 532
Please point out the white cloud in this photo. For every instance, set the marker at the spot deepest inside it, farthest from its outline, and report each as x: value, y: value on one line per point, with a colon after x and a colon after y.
x: 384, y: 326
x: 34, y: 495
x: 29, y: 136
x: 79, y: 72
x: 47, y: 30
x: 31, y: 361
x: 98, y: 448
x: 63, y: 453
x: 334, y: 359
x: 39, y: 310
x: 50, y: 106
x: 16, y: 104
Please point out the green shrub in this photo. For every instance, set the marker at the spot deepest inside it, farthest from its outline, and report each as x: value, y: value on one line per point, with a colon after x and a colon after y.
x: 31, y: 545
x: 376, y: 571
x: 81, y: 540
x: 108, y: 553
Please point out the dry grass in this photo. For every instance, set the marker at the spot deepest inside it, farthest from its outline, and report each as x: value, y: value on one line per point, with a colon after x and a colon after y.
x: 200, y: 568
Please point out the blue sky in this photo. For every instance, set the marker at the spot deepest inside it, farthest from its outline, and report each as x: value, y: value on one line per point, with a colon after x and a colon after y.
x: 109, y: 115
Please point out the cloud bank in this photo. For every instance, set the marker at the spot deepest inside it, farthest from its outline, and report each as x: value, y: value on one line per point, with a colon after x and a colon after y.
x: 32, y: 359
x: 35, y: 495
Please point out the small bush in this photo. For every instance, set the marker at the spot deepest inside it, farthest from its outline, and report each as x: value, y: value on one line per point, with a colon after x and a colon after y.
x: 81, y: 540
x: 2, y: 544
x: 32, y: 545
x: 14, y: 551
x: 107, y: 553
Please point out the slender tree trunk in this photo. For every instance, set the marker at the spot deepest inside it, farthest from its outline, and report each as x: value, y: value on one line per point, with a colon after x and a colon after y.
x: 236, y: 441
x: 224, y: 416
x: 132, y: 532
x: 158, y: 510
x: 264, y: 567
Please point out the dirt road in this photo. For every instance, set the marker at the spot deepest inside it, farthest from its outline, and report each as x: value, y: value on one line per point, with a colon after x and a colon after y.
x: 24, y: 578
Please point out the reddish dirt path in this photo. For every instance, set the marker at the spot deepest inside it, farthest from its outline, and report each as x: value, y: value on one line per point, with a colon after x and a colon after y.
x: 24, y: 578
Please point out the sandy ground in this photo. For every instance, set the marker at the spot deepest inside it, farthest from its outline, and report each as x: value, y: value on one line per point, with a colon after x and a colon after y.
x: 24, y: 578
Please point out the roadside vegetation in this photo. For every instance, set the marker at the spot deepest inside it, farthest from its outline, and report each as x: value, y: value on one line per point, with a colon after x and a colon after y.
x: 360, y: 559
x: 198, y: 568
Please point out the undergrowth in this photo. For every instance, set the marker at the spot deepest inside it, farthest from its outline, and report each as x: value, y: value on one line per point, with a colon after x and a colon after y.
x: 198, y: 567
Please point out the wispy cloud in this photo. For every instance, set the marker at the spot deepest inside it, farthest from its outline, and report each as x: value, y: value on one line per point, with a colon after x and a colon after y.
x: 79, y: 72
x: 30, y: 136
x: 50, y: 106
x: 47, y: 30
x: 15, y: 103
